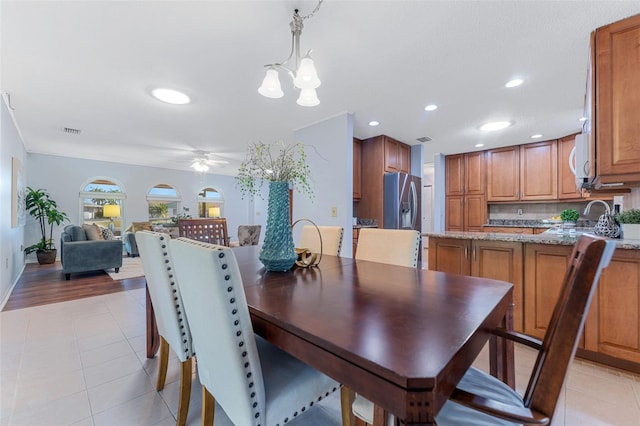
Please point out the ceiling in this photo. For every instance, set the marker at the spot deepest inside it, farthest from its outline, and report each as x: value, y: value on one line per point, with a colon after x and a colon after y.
x: 90, y: 66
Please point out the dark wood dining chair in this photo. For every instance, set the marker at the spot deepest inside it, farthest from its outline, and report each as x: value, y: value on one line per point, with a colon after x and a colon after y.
x: 481, y: 399
x: 212, y: 231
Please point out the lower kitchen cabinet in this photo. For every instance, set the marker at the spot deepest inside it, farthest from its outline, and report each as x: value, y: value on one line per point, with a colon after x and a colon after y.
x: 499, y: 260
x: 613, y: 324
x: 544, y: 270
x: 612, y: 328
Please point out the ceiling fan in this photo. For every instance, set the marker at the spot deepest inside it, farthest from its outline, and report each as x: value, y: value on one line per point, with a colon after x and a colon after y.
x: 203, y: 160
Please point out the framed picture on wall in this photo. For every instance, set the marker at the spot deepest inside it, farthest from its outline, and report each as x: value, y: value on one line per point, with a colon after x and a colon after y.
x: 18, y: 213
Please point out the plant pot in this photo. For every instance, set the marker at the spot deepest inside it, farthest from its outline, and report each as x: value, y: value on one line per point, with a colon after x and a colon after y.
x: 46, y: 257
x: 630, y: 231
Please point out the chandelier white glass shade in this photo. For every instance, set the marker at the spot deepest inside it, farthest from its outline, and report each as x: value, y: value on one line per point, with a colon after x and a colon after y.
x: 305, y: 77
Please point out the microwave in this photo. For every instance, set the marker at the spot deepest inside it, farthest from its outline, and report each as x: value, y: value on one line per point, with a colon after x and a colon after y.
x: 580, y: 162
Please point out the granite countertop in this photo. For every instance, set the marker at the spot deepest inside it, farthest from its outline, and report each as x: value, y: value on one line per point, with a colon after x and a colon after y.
x: 364, y: 226
x: 567, y: 240
x: 532, y: 223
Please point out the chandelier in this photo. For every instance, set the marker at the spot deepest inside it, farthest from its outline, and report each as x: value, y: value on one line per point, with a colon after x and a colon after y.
x: 305, y: 77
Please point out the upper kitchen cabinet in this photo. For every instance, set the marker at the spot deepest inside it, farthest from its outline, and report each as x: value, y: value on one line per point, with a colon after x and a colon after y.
x: 617, y: 101
x: 377, y: 155
x: 397, y: 156
x: 503, y: 174
x: 539, y: 171
x: 523, y: 173
x: 466, y: 203
x: 465, y: 173
x: 566, y: 179
x: 357, y: 169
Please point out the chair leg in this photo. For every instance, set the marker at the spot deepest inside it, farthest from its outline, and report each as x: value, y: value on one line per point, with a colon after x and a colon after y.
x: 208, y: 407
x: 163, y: 362
x: 185, y: 392
x: 346, y: 401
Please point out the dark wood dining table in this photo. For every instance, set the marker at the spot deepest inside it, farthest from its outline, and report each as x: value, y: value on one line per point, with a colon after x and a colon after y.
x: 401, y: 337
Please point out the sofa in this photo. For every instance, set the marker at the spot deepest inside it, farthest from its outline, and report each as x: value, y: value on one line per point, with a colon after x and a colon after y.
x: 129, y: 239
x: 82, y: 250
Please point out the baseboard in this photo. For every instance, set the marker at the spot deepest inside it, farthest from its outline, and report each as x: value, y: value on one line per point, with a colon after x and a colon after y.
x: 5, y: 299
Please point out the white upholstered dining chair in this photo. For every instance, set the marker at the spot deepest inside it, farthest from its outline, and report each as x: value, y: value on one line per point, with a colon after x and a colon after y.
x: 482, y: 400
x: 331, y: 239
x: 172, y: 323
x: 393, y: 246
x: 253, y: 381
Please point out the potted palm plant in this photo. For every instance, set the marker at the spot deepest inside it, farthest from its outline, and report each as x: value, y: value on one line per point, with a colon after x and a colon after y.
x: 39, y: 204
x: 630, y: 222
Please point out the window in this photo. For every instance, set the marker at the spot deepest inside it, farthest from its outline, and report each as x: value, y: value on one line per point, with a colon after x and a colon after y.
x: 164, y: 204
x: 102, y: 203
x: 210, y: 203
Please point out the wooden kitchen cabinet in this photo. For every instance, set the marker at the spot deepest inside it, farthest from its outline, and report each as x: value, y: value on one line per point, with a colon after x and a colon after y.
x: 508, y: 230
x: 503, y: 174
x: 539, y: 171
x: 544, y: 271
x: 617, y: 101
x: 397, y: 156
x: 613, y: 325
x: 566, y: 179
x: 374, y: 158
x: 449, y: 255
x: 523, y: 172
x: 357, y: 169
x: 465, y: 183
x: 500, y: 260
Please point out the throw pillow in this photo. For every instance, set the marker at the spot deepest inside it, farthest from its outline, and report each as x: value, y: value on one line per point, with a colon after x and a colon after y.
x: 107, y: 234
x: 92, y: 231
x: 141, y: 226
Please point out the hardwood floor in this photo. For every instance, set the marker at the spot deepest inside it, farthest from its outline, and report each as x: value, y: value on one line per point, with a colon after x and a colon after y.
x: 44, y: 284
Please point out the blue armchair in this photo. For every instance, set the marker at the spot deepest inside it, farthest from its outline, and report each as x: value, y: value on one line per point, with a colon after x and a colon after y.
x: 78, y: 254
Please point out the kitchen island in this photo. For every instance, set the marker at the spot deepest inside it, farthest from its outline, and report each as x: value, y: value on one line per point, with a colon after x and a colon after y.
x: 536, y: 265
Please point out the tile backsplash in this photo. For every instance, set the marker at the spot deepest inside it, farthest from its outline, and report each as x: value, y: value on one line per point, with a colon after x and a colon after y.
x: 542, y: 211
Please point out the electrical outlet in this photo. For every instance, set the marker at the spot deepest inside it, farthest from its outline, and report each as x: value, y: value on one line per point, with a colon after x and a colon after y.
x: 519, y: 212
x: 334, y: 211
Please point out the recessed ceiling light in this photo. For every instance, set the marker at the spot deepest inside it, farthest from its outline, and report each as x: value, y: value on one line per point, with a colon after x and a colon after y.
x: 170, y: 96
x: 536, y: 136
x: 495, y: 125
x: 373, y: 123
x: 431, y: 107
x: 479, y: 145
x: 514, y: 83
x: 582, y: 119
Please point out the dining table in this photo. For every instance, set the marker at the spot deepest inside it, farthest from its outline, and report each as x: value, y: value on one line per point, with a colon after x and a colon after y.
x: 401, y: 337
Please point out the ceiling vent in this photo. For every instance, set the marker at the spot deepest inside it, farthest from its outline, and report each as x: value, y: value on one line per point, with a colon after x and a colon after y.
x: 71, y: 131
x: 424, y: 139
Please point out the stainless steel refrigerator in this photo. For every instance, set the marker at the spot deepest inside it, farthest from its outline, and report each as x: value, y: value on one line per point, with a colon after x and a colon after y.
x: 402, y: 204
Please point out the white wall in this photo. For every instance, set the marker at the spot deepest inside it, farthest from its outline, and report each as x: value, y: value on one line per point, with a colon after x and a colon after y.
x: 11, y: 239
x: 330, y: 157
x: 64, y: 177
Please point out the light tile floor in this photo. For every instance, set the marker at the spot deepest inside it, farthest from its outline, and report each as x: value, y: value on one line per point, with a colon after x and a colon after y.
x: 83, y: 363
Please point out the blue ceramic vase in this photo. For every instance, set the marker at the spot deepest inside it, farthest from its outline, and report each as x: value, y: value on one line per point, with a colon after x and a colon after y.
x: 278, y: 251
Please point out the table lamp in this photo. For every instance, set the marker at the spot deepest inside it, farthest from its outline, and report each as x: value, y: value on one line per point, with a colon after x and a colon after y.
x: 214, y: 211
x: 111, y: 211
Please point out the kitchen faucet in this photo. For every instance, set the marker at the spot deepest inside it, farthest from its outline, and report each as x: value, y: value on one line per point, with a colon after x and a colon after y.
x: 586, y: 210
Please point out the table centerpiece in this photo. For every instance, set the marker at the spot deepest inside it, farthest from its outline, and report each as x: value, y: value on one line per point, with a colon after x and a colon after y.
x: 281, y: 165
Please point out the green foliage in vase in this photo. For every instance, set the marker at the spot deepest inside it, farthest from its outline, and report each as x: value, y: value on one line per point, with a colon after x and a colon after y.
x: 569, y: 215
x: 276, y: 162
x: 629, y: 216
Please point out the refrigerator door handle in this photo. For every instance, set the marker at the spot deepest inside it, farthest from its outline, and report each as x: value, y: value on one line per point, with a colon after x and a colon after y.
x: 413, y: 199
